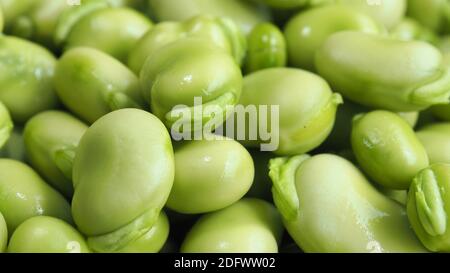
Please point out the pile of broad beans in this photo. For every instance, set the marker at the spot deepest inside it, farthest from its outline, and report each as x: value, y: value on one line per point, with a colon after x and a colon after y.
x: 114, y: 131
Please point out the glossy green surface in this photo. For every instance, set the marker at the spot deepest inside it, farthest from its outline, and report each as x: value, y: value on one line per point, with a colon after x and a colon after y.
x: 339, y: 137
x: 91, y: 84
x: 428, y: 207
x: 266, y: 48
x: 108, y: 110
x: 409, y: 29
x: 250, y: 225
x: 412, y: 118
x: 307, y: 107
x: 3, y: 234
x: 12, y: 9
x: 389, y: 13
x: 70, y: 17
x: 122, y: 173
x: 51, y: 139
x: 383, y: 72
x: 209, y: 175
x: 23, y: 194
x: 188, y: 69
x: 44, y: 234
x: 153, y: 240
x: 6, y: 125
x: 39, y: 22
x: 337, y: 210
x: 436, y: 140
x: 245, y: 13
x: 387, y: 149
x: 435, y: 14
x: 112, y: 30
x: 308, y: 30
x: 26, y: 72
x: 218, y: 31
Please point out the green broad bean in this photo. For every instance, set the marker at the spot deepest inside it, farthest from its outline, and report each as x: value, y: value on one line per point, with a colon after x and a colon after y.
x: 412, y: 118
x: 307, y: 107
x: 222, y: 32
x: 44, y: 234
x: 51, y: 139
x: 434, y: 14
x: 122, y: 173
x: 250, y: 225
x: 13, y: 9
x: 3, y: 234
x: 409, y: 29
x: 23, y: 194
x: 71, y: 16
x: 398, y: 75
x: 185, y: 70
x: 337, y: 210
x: 91, y: 91
x: 245, y: 13
x: 145, y: 126
x: 436, y: 140
x: 339, y: 137
x: 39, y: 22
x: 428, y: 207
x: 388, y: 12
x: 387, y: 149
x: 112, y: 30
x: 210, y: 175
x: 26, y: 74
x: 266, y: 48
x: 153, y: 240
x: 6, y: 125
x: 307, y: 31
